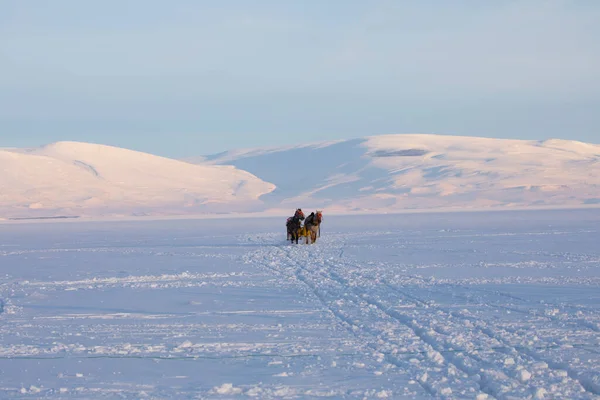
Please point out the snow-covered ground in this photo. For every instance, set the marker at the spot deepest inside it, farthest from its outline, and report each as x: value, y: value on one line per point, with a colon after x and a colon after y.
x: 472, y: 305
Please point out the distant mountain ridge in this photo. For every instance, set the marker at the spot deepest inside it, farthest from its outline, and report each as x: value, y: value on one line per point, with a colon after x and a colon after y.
x: 419, y: 171
x: 385, y: 173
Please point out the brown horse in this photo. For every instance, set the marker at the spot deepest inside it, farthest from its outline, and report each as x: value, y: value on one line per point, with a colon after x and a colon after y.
x: 313, y: 226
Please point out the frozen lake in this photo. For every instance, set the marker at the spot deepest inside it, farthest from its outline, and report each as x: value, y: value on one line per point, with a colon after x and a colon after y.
x: 466, y: 305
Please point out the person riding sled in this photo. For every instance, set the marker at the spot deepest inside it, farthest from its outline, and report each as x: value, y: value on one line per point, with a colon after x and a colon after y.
x: 310, y: 219
x: 297, y: 214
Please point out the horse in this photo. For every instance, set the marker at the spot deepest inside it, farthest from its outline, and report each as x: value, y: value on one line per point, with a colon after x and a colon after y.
x: 294, y: 225
x: 312, y: 224
x: 293, y: 228
x: 298, y: 214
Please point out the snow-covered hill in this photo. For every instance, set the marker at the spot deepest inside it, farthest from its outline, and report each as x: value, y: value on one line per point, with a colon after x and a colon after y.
x: 374, y: 174
x: 69, y: 178
x: 396, y: 172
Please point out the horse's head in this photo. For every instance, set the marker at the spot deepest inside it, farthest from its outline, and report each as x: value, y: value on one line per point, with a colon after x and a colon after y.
x: 319, y: 216
x: 299, y: 214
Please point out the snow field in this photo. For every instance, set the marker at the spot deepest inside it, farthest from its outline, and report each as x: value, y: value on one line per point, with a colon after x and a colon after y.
x: 456, y: 306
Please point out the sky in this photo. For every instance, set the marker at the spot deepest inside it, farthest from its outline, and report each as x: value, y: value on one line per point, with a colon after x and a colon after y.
x: 192, y: 77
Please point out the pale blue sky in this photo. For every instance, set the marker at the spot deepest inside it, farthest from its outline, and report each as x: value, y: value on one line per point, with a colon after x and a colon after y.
x: 190, y: 77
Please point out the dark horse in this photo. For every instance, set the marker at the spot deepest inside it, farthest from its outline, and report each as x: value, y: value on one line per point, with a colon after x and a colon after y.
x: 293, y: 225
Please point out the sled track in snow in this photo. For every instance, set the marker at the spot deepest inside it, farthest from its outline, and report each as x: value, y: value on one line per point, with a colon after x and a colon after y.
x: 356, y: 328
x: 444, y: 360
x: 500, y: 335
x: 362, y: 331
x: 458, y: 360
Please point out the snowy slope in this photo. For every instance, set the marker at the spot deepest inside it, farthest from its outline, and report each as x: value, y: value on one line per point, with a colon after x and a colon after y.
x: 395, y: 172
x: 376, y: 174
x: 69, y: 178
